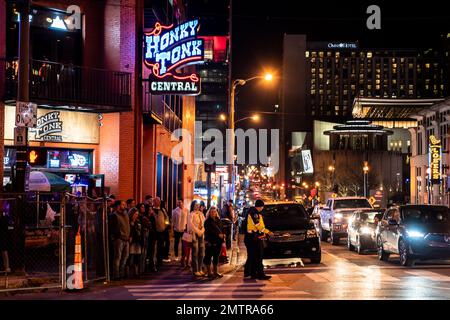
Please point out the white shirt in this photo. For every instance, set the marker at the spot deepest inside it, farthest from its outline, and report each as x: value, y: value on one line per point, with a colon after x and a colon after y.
x: 196, y: 221
x: 179, y: 219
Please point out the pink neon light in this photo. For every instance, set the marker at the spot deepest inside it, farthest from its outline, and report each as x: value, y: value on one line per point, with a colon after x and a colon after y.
x: 184, y: 61
x: 158, y: 29
x: 155, y: 70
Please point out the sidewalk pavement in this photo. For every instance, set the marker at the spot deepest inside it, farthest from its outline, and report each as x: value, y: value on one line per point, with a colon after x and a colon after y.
x: 236, y: 256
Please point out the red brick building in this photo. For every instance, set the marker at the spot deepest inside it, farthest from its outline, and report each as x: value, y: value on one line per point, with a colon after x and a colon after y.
x: 129, y: 138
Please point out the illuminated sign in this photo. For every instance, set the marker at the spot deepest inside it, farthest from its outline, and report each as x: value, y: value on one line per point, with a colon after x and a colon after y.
x: 435, y: 156
x: 33, y: 156
x: 307, y: 161
x: 77, y: 160
x: 47, y: 125
x: 167, y: 48
x: 37, y: 157
x: 343, y: 45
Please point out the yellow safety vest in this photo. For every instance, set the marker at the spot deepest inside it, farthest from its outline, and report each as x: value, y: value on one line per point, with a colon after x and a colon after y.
x: 259, y: 227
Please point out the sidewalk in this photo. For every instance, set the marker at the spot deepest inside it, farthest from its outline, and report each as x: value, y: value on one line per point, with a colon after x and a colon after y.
x: 172, y: 270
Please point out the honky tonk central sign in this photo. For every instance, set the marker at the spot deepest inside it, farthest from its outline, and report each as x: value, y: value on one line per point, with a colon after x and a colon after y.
x: 168, y: 48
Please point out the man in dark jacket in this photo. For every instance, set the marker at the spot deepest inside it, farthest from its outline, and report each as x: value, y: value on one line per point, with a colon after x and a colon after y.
x: 120, y: 232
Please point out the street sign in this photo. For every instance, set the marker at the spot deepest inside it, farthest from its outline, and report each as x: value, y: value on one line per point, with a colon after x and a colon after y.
x: 26, y: 114
x: 20, y: 138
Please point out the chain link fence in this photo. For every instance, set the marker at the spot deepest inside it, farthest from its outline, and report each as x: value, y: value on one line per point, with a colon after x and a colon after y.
x: 37, y: 240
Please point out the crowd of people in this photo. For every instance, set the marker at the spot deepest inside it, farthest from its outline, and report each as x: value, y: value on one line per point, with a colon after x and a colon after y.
x: 141, y: 235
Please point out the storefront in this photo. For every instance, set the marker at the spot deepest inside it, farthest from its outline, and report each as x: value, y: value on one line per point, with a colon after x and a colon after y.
x: 64, y: 143
x: 430, y: 145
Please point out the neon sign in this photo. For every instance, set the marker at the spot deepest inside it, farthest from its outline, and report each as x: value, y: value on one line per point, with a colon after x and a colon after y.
x: 168, y: 48
x: 435, y: 156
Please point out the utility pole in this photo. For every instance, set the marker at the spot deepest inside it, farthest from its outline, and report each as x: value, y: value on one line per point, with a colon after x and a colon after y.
x: 23, y: 95
x: 23, y: 92
x: 231, y: 88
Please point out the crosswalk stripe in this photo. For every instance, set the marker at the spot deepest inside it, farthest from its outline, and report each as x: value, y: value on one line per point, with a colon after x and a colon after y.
x: 191, y: 285
x: 219, y: 293
x: 433, y: 276
x: 189, y: 289
x: 316, y: 277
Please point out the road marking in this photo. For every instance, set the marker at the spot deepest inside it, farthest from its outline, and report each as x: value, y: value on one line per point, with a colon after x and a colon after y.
x: 433, y: 276
x: 197, y: 285
x: 210, y: 294
x: 190, y: 289
x: 238, y: 290
x: 316, y: 277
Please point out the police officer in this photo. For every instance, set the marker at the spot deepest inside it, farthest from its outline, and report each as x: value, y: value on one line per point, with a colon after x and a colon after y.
x: 253, y: 240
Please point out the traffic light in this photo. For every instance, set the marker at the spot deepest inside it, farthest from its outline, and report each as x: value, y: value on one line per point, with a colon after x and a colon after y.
x: 37, y: 157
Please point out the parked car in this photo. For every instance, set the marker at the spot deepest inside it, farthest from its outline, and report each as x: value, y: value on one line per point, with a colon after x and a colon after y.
x: 294, y: 232
x: 334, y: 216
x: 414, y: 232
x: 361, y: 230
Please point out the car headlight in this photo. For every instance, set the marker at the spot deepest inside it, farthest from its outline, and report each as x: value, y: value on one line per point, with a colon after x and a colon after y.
x: 366, y: 230
x: 338, y: 216
x: 311, y: 233
x: 415, y: 234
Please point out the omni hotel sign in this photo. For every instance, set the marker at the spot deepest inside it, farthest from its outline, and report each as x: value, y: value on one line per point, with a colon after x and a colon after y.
x: 435, y: 160
x: 168, y: 48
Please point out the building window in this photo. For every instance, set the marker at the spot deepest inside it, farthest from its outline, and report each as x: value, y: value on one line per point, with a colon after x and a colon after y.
x: 419, y: 143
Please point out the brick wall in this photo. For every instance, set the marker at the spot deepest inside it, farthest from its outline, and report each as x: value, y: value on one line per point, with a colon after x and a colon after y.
x: 127, y: 134
x: 108, y: 155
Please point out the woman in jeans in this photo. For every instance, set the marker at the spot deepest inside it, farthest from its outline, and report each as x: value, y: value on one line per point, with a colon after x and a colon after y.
x: 196, y: 228
x: 214, y: 238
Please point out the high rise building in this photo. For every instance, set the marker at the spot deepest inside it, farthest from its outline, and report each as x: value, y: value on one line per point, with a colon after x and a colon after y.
x: 321, y: 81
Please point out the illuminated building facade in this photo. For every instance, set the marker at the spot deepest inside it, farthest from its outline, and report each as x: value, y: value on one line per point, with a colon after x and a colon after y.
x: 432, y: 129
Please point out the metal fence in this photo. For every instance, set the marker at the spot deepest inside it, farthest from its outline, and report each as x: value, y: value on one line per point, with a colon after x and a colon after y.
x: 57, y: 83
x: 37, y: 240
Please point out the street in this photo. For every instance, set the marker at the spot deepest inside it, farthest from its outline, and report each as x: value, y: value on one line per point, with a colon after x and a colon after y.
x: 341, y: 275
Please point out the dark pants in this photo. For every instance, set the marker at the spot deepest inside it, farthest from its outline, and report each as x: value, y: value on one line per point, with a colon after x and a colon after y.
x: 151, y: 250
x: 166, y: 244
x: 212, y: 251
x: 254, y: 265
x: 160, y: 247
x: 178, y: 236
x: 248, y: 262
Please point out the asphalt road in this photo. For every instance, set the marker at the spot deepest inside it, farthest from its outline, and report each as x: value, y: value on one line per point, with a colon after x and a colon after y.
x: 341, y: 275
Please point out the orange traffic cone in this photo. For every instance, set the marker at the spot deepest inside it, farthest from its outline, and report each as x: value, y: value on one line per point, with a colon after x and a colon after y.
x: 78, y: 265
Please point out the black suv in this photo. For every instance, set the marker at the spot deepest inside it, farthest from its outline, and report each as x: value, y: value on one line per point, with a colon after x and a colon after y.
x: 415, y: 232
x: 294, y: 232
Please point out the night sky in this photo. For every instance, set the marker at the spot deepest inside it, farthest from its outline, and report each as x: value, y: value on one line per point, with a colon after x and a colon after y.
x: 258, y: 28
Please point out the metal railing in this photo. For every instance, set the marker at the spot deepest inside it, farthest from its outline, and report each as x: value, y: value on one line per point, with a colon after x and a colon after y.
x: 155, y: 106
x: 39, y: 241
x: 66, y: 84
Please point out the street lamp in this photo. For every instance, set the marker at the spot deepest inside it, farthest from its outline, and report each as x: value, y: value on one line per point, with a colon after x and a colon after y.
x: 231, y: 122
x: 366, y: 171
